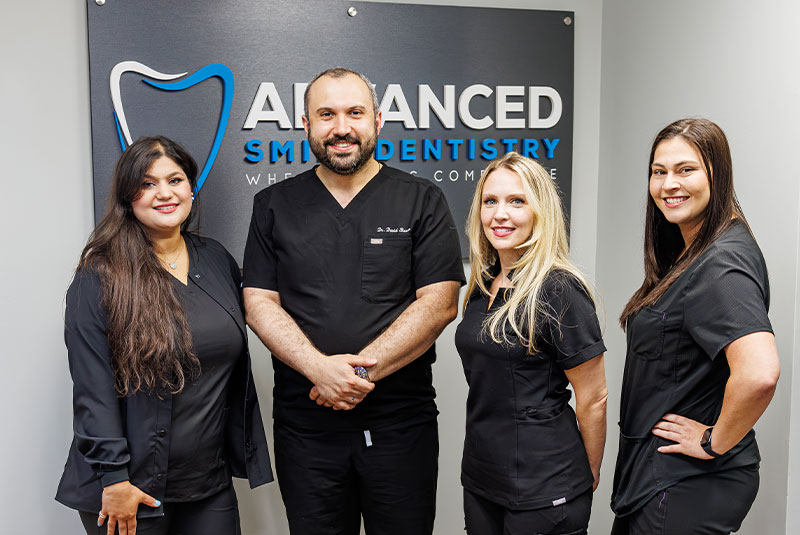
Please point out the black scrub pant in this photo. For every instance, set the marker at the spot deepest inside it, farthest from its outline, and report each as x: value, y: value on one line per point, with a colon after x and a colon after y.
x: 330, y: 479
x: 711, y: 504
x: 483, y: 517
x: 216, y: 515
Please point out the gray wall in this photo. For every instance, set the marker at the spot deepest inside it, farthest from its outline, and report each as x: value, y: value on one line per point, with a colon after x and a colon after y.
x: 721, y: 59
x: 46, y: 217
x: 734, y: 62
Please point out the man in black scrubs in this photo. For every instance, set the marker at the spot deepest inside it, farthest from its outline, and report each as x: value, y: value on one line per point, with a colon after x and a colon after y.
x: 352, y: 267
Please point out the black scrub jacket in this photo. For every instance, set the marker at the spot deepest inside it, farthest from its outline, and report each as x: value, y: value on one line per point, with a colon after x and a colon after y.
x: 344, y: 274
x: 522, y: 448
x: 676, y: 364
x: 118, y: 439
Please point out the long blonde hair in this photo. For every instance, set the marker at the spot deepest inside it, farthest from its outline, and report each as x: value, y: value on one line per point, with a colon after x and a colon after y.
x: 545, y: 250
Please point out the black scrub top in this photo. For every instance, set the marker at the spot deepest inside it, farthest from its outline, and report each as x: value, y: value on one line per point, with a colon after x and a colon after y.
x: 197, y: 465
x: 676, y: 363
x: 522, y: 447
x: 344, y: 274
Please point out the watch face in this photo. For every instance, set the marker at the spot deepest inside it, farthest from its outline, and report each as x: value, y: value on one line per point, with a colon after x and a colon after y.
x: 361, y: 372
x: 706, y: 436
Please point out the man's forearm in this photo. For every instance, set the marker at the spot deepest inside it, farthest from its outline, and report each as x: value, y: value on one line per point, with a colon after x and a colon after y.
x: 280, y: 333
x: 332, y: 376
x: 415, y: 330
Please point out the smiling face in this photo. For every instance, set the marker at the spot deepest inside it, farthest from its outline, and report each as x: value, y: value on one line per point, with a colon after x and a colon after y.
x: 680, y: 186
x: 165, y: 200
x: 506, y: 216
x: 342, y: 126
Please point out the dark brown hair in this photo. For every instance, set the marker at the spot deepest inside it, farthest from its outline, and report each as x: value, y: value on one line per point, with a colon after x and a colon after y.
x: 341, y: 72
x: 148, y: 335
x: 664, y: 256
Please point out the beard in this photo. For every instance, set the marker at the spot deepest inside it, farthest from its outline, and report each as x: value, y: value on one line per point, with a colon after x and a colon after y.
x: 343, y: 164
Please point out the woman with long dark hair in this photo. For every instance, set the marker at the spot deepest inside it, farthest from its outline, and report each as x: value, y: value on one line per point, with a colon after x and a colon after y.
x: 165, y: 408
x: 529, y: 331
x: 701, y: 365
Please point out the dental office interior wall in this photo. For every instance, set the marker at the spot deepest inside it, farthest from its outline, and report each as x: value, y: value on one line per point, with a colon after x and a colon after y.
x: 652, y: 72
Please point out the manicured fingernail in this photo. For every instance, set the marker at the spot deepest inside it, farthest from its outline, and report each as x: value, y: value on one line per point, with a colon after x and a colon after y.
x: 158, y: 503
x: 99, y: 523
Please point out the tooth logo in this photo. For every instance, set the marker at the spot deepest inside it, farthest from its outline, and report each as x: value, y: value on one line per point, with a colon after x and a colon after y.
x: 219, y: 70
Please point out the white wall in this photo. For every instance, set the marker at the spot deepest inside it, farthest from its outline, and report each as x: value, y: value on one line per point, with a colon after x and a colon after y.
x: 47, y: 213
x: 793, y: 491
x: 734, y: 62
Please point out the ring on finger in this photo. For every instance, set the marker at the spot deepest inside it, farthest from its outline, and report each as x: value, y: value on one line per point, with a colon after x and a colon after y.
x: 101, y: 515
x: 353, y: 400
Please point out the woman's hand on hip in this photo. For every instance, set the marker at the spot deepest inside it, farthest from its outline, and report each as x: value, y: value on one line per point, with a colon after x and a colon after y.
x: 685, y: 432
x: 120, y: 503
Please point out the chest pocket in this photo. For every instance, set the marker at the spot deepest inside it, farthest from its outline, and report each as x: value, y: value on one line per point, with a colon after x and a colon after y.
x: 648, y: 333
x: 386, y: 269
x: 650, y: 371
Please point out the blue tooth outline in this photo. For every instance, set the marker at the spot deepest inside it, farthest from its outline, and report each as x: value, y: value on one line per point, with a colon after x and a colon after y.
x: 224, y: 73
x: 119, y: 132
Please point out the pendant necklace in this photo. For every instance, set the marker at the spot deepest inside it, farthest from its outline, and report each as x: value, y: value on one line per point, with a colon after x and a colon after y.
x: 174, y: 263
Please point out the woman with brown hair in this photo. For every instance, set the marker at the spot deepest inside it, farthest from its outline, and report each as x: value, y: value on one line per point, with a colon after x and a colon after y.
x: 165, y: 408
x: 701, y: 365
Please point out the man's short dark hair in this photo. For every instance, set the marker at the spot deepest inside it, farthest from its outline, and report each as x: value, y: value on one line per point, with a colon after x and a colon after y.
x: 341, y: 72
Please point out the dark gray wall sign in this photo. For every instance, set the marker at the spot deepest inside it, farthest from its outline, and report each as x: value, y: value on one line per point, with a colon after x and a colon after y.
x: 458, y: 87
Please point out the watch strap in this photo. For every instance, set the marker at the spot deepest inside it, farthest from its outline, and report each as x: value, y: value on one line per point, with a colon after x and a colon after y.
x: 705, y: 443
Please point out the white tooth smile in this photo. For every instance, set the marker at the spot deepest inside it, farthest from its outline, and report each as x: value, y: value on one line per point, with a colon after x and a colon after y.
x: 162, y: 208
x: 675, y: 200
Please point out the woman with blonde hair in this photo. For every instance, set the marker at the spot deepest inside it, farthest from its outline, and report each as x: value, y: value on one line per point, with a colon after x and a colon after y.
x: 529, y: 330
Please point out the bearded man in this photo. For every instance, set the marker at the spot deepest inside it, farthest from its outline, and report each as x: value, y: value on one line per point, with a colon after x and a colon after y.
x: 351, y: 271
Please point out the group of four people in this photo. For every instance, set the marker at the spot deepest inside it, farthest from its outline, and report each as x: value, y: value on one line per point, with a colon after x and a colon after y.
x: 351, y: 271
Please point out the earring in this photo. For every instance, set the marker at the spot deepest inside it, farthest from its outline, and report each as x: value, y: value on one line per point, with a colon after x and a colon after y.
x: 192, y: 197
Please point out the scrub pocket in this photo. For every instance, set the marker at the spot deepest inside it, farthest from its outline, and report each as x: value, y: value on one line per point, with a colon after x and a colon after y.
x: 541, y: 436
x: 386, y: 269
x: 647, y: 340
x: 651, y: 369
x: 634, y: 473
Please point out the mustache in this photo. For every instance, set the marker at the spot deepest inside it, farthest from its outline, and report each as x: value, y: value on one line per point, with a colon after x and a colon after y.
x: 348, y: 138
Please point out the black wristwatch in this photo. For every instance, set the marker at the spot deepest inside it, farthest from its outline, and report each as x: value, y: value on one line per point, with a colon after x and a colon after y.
x: 705, y: 443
